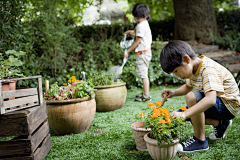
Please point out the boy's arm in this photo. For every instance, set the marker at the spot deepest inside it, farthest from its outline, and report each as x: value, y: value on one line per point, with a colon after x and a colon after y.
x: 135, y: 44
x: 208, y: 101
x: 183, y: 90
x: 130, y: 32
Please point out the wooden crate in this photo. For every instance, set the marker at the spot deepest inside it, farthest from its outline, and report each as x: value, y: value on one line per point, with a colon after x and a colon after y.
x: 32, y: 130
x: 24, y: 98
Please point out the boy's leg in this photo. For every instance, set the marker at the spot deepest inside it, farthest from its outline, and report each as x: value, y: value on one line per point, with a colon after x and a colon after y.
x: 198, y: 142
x: 145, y: 86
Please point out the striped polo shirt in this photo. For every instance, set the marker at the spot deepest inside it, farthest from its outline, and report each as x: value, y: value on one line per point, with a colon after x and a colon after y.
x: 213, y: 76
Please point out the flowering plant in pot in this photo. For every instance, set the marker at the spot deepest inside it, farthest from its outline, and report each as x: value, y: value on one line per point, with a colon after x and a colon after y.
x: 74, y: 89
x: 165, y: 131
x: 71, y: 108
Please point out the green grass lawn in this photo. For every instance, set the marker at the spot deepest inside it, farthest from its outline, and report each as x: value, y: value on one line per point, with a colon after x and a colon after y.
x: 110, y: 135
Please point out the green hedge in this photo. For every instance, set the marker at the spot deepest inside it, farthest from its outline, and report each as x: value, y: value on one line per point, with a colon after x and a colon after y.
x: 162, y: 30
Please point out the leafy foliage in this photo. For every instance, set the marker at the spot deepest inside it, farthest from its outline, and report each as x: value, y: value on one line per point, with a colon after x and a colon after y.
x: 102, y: 78
x: 9, y: 64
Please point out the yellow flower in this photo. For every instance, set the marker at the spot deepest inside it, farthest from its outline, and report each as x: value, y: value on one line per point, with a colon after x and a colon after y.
x: 69, y: 80
x: 64, y: 84
x: 141, y: 115
x: 158, y: 104
x: 68, y: 75
x: 160, y: 130
x: 150, y: 104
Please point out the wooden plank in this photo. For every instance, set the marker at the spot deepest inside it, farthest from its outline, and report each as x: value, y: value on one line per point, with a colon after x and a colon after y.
x: 20, y: 103
x: 40, y: 95
x: 205, y: 48
x: 40, y: 153
x: 227, y: 60
x: 234, y: 68
x: 20, y: 146
x: 219, y: 54
x: 2, y: 110
x: 43, y: 150
x: 23, y: 122
x: 23, y: 78
x: 20, y: 93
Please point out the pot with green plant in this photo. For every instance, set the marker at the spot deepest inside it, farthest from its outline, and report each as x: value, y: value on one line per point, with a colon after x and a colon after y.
x: 110, y: 95
x: 10, y: 61
x: 165, y: 131
x: 71, y: 108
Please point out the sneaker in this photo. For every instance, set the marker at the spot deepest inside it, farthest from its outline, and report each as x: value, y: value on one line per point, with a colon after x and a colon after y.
x: 143, y: 98
x: 188, y: 119
x: 221, y: 130
x: 192, y: 145
x: 140, y: 95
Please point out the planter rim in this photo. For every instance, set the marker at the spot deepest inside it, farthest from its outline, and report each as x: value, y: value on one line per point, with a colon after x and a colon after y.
x: 110, y: 86
x: 68, y: 100
x: 12, y: 81
x: 140, y: 129
x: 155, y: 142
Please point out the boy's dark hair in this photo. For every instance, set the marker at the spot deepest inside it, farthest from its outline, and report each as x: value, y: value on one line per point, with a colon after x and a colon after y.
x: 141, y: 10
x: 172, y: 54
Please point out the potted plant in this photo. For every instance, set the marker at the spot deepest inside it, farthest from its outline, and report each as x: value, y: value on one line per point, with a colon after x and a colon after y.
x: 165, y: 131
x: 110, y: 94
x: 71, y: 108
x: 9, y: 68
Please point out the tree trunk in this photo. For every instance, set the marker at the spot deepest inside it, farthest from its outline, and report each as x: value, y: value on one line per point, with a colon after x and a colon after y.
x: 195, y: 20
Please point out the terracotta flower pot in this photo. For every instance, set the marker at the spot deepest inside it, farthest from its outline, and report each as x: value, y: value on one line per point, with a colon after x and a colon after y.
x: 139, y: 132
x: 110, y: 97
x: 164, y: 151
x: 9, y: 85
x: 71, y: 116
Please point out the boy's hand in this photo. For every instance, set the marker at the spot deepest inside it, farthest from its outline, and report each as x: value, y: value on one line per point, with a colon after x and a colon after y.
x: 167, y: 93
x: 126, y: 55
x: 175, y: 115
x: 130, y: 32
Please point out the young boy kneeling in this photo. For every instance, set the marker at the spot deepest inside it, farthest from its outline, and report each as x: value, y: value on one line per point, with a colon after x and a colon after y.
x: 216, y: 101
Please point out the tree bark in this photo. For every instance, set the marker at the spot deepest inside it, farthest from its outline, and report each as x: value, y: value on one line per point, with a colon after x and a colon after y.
x: 195, y: 20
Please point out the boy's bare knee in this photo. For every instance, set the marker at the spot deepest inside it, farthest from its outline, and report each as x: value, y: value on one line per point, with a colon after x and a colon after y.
x: 191, y: 99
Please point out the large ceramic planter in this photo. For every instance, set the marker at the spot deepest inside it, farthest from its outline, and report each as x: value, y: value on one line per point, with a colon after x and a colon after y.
x: 139, y: 132
x: 71, y: 116
x: 160, y: 152
x: 110, y: 97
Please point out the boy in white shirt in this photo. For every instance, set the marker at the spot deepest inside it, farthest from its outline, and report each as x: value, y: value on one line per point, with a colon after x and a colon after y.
x: 142, y: 46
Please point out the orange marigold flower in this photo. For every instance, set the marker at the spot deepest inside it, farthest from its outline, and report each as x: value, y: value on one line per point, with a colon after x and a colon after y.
x: 160, y: 130
x: 162, y: 121
x: 141, y: 115
x: 167, y: 116
x: 158, y: 104
x: 168, y: 121
x: 150, y: 104
x: 183, y: 108
x: 12, y: 42
x: 155, y: 115
x: 165, y: 111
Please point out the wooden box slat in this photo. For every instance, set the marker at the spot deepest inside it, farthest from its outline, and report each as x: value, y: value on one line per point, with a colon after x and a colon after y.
x: 20, y: 93
x: 40, y: 153
x: 13, y: 105
x: 20, y: 146
x: 20, y: 103
x: 22, y: 122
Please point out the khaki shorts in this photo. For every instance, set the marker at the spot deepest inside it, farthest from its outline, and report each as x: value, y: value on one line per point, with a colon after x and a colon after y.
x: 142, y: 64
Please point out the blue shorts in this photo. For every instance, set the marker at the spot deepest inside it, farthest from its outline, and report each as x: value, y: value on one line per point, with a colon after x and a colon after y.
x: 218, y: 111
